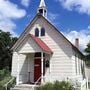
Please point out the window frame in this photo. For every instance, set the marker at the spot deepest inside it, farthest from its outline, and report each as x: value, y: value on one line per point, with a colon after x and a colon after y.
x: 36, y: 32
x: 42, y: 31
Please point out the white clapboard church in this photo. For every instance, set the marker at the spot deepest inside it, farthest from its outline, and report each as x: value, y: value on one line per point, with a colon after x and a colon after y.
x: 43, y: 54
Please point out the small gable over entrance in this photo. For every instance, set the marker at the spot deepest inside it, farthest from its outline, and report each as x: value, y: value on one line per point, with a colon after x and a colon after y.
x: 32, y: 44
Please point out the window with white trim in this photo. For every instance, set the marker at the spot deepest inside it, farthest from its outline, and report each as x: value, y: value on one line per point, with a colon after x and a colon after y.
x: 42, y: 31
x: 37, y: 32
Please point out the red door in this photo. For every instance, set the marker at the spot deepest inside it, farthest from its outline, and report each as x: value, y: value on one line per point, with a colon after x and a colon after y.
x: 37, y: 69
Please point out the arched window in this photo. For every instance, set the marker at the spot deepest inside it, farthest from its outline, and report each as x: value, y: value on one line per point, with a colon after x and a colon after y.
x: 42, y: 32
x: 36, y: 32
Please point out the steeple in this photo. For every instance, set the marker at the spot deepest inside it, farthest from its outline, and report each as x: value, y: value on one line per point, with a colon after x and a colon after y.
x: 42, y: 8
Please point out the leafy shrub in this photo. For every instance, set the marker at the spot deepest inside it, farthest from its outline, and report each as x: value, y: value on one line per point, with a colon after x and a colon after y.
x: 3, y: 73
x: 47, y: 86
x: 4, y: 78
x: 66, y: 86
x: 1, y: 87
x: 56, y: 86
x: 12, y: 84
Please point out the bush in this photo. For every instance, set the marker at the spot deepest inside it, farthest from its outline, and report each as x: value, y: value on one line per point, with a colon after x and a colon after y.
x: 4, y: 73
x: 1, y: 87
x: 4, y: 77
x: 5, y: 80
x: 56, y: 86
x: 12, y: 84
x: 47, y: 86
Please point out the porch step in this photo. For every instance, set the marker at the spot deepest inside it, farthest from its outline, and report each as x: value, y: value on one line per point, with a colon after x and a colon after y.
x: 15, y: 88
x: 23, y: 87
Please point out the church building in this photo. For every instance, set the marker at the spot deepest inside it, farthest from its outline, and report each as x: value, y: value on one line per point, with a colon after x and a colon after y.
x: 43, y: 54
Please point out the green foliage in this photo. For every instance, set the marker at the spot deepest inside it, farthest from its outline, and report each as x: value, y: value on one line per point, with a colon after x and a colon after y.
x: 47, y: 86
x: 87, y: 50
x: 12, y: 84
x: 2, y: 88
x: 6, y: 42
x: 89, y: 85
x: 6, y: 77
x: 87, y: 56
x: 4, y: 73
x: 56, y: 86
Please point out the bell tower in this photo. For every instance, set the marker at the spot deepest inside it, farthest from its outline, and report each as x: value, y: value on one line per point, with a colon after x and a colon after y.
x: 42, y: 9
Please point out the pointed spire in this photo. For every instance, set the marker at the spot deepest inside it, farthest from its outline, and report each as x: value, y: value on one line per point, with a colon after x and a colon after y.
x: 42, y: 3
x: 42, y: 8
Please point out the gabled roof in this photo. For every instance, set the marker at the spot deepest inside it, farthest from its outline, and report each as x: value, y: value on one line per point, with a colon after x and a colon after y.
x: 42, y: 45
x: 24, y: 34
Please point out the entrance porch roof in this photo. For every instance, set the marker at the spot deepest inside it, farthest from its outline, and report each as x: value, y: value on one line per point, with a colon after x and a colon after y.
x: 41, y: 44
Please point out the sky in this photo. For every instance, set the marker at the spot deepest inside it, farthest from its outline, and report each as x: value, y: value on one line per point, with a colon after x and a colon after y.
x: 71, y: 17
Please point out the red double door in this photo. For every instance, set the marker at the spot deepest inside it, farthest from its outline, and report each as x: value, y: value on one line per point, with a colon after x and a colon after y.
x: 37, y: 69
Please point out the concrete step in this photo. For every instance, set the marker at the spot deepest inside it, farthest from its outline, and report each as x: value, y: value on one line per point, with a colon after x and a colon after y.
x: 23, y: 87
x: 15, y: 88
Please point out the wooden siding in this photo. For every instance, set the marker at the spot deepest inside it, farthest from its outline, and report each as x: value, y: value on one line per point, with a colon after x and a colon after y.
x: 60, y: 62
x: 76, y: 65
x: 19, y: 63
x: 87, y: 72
x: 26, y: 65
x: 29, y: 46
x: 31, y: 66
x: 14, y: 64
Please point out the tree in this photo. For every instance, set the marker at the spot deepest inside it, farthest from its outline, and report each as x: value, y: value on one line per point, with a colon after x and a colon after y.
x: 87, y: 50
x: 6, y: 42
x: 87, y: 56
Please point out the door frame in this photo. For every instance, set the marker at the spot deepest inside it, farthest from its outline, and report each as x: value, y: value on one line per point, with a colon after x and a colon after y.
x: 39, y: 56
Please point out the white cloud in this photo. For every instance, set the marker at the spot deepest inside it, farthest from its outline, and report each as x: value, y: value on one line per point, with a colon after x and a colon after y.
x: 8, y: 12
x: 82, y: 6
x: 88, y: 27
x: 25, y: 2
x: 8, y: 26
x: 52, y: 17
x: 83, y: 35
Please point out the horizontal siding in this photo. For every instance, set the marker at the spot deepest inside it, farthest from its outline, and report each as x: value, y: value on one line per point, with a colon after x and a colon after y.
x: 14, y: 64
x: 31, y: 66
x: 29, y: 46
x: 60, y: 62
x: 18, y: 59
x: 26, y: 64
x: 78, y: 61
x: 87, y: 72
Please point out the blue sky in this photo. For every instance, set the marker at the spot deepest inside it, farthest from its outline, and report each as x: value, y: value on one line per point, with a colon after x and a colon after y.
x: 71, y: 17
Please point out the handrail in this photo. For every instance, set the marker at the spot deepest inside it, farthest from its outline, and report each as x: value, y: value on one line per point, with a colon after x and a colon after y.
x: 36, y: 82
x: 9, y: 82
